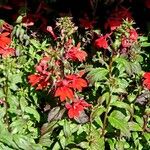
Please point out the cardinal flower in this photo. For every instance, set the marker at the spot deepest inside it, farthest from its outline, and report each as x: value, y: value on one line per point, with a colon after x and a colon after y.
x: 63, y: 90
x: 76, y: 54
x: 76, y: 82
x: 76, y: 108
x: 5, y: 42
x: 101, y: 42
x: 146, y: 81
x: 39, y: 80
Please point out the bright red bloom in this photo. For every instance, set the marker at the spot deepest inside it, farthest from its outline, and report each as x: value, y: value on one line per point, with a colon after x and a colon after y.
x: 76, y: 108
x: 5, y: 42
x: 101, y: 42
x: 74, y: 53
x: 133, y: 35
x: 64, y: 91
x: 4, y: 39
x: 146, y: 81
x: 76, y: 82
x: 40, y: 80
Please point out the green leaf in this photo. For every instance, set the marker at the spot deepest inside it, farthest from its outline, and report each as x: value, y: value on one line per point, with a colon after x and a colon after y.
x: 97, y: 74
x: 33, y: 112
x: 16, y: 78
x: 98, y: 143
x: 145, y: 44
x: 97, y: 111
x: 124, y: 105
x: 66, y: 128
x: 22, y: 142
x: 111, y: 143
x: 134, y: 126
x: 84, y: 145
x: 122, y: 62
x: 117, y: 120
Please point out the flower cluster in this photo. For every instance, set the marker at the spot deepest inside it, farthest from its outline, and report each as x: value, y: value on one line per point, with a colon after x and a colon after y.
x: 5, y: 40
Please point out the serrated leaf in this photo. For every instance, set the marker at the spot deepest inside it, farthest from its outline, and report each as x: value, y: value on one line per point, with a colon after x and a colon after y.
x: 117, y: 120
x: 33, y: 112
x: 97, y: 74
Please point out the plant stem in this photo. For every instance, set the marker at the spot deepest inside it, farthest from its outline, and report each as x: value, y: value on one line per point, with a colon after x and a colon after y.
x: 110, y: 96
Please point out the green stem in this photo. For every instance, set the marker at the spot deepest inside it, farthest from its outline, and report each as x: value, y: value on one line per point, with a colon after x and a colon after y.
x: 110, y: 97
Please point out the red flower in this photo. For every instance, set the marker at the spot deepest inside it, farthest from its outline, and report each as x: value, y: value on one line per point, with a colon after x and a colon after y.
x: 74, y: 53
x: 5, y: 42
x: 133, y: 35
x: 101, y: 42
x: 76, y: 108
x: 76, y: 82
x: 146, y: 81
x: 64, y: 91
x: 4, y: 39
x: 40, y: 80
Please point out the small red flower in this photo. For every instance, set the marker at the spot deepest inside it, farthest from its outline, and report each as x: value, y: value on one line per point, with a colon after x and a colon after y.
x: 76, y: 108
x: 5, y: 42
x: 64, y: 91
x: 146, y: 81
x: 101, y: 42
x: 38, y: 80
x: 74, y: 53
x: 76, y: 82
